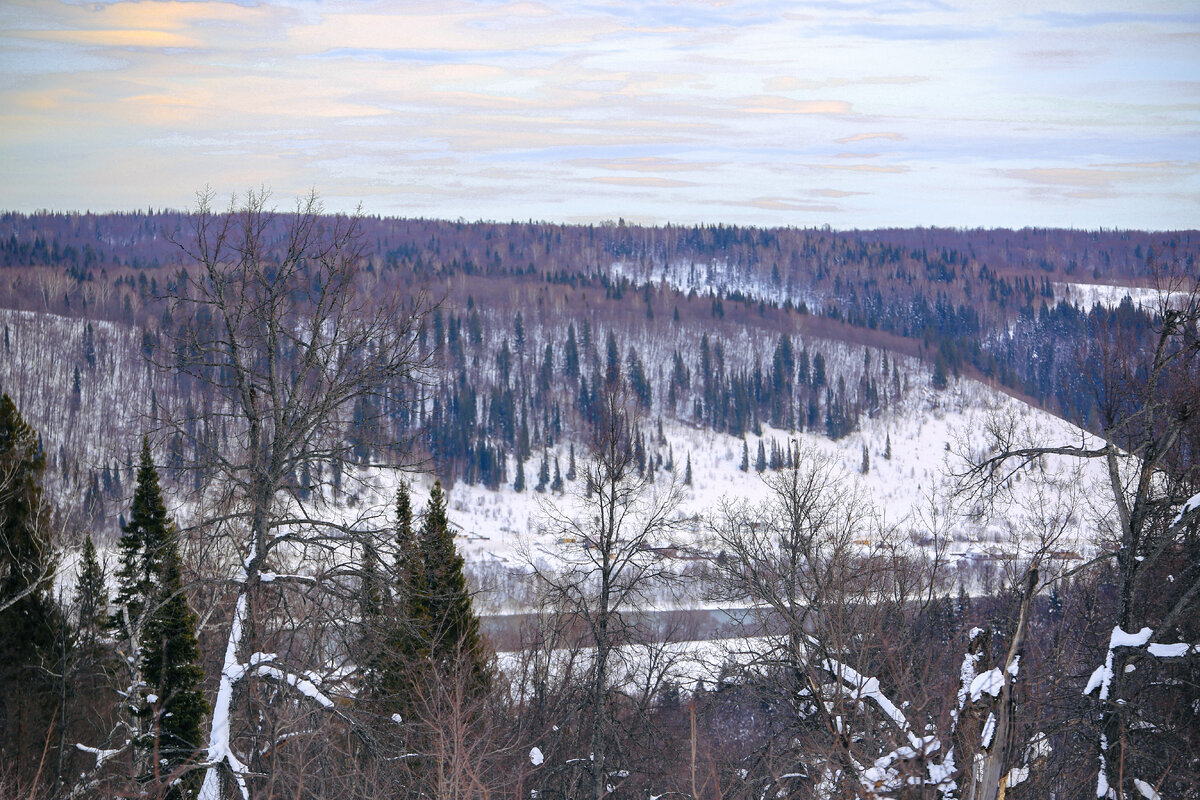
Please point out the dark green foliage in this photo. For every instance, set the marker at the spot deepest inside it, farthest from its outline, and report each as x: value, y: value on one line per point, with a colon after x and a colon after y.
x: 687, y: 473
x: 571, y: 356
x: 141, y: 547
x: 887, y: 448
x: 429, y: 632
x: 454, y: 628
x: 31, y: 625
x: 172, y: 671
x: 556, y: 485
x: 151, y: 607
x: 91, y: 598
x: 612, y: 370
x: 866, y: 460
x: 939, y: 380
x: 745, y: 465
x: 543, y: 474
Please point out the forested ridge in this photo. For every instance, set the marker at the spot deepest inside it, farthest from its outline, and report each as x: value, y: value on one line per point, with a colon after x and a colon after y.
x: 274, y: 633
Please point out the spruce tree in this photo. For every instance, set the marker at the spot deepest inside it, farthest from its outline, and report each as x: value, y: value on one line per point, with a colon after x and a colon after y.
x: 556, y: 485
x: 745, y: 465
x: 91, y: 599
x: 141, y: 548
x: 453, y: 637
x: 687, y: 474
x: 393, y: 667
x: 172, y: 672
x: 31, y: 625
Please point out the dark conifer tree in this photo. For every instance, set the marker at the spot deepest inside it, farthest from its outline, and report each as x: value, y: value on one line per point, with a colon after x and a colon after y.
x: 91, y: 598
x: 140, y: 548
x: 687, y: 473
x: 887, y: 448
x: 612, y: 370
x: 392, y: 668
x: 939, y: 380
x: 173, y: 675
x: 31, y: 625
x: 571, y: 463
x: 571, y: 354
x: 519, y: 481
x: 557, y: 484
x: 760, y: 461
x: 453, y: 636
x: 745, y: 465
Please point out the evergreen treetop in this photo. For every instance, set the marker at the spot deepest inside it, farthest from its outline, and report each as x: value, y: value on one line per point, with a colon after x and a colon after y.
x: 141, y: 546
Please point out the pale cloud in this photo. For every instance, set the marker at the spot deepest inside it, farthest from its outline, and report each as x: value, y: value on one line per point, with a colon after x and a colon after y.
x: 113, y: 37
x: 893, y: 169
x: 774, y: 104
x: 632, y: 180
x: 1031, y: 114
x: 835, y: 193
x: 862, y: 137
x: 1103, y: 175
x: 785, y: 204
x: 645, y: 164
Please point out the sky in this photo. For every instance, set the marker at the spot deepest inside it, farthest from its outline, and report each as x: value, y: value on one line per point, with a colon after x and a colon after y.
x: 848, y: 114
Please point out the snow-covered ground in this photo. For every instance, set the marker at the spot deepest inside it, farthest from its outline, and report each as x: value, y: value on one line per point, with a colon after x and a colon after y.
x: 1086, y: 295
x: 911, y: 490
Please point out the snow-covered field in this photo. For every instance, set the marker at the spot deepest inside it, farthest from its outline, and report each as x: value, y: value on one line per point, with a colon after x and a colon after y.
x: 1086, y: 295
x: 928, y: 431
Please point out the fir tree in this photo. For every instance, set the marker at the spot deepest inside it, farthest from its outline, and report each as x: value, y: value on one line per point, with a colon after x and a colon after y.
x: 866, y: 460
x: 140, y: 547
x: 760, y: 461
x: 519, y: 481
x: 939, y: 380
x: 571, y: 356
x: 687, y: 472
x: 91, y: 598
x: 557, y: 484
x: 543, y: 474
x: 745, y: 465
x: 887, y: 448
x: 454, y: 628
x: 571, y: 463
x: 30, y: 626
x: 392, y: 667
x: 172, y: 671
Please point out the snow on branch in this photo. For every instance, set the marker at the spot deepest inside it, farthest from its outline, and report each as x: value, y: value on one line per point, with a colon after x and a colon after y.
x: 869, y: 687
x: 1102, y: 677
x: 1193, y: 504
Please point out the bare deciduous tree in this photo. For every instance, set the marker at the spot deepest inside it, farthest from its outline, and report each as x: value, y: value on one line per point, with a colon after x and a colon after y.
x: 273, y: 317
x: 607, y: 567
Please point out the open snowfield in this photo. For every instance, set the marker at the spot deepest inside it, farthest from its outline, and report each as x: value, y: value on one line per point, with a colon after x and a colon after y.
x: 911, y: 491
